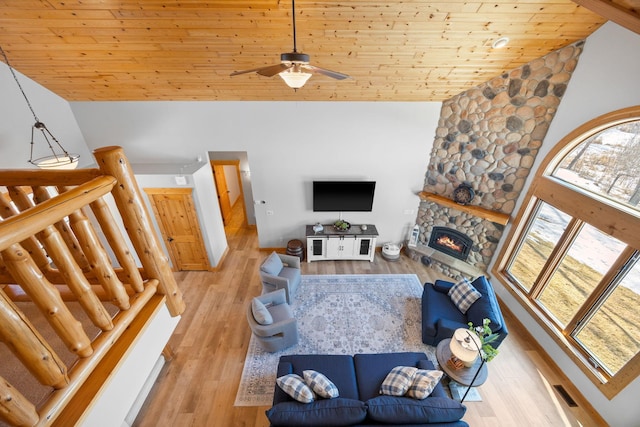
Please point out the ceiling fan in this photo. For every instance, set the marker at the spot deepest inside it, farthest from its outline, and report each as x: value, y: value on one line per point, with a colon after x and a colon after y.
x: 294, y: 67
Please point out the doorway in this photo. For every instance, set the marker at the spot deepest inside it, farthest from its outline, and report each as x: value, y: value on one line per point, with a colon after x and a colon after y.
x: 231, y: 198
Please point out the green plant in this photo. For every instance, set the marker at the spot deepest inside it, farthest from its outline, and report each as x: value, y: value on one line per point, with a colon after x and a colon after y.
x: 342, y: 225
x: 486, y: 338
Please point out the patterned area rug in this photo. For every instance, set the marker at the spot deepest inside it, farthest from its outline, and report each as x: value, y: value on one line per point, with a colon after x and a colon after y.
x: 342, y: 314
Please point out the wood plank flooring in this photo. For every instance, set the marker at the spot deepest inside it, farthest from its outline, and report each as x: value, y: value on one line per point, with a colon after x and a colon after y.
x: 198, y: 386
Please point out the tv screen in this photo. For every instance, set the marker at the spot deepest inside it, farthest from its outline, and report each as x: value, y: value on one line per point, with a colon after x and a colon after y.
x: 343, y: 196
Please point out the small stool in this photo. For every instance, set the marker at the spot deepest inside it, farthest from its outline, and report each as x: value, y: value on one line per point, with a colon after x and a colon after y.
x: 295, y: 248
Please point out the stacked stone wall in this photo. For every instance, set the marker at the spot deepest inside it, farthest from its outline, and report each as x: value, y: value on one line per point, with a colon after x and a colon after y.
x: 488, y: 138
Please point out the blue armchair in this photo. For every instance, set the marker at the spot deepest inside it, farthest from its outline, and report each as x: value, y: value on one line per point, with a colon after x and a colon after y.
x: 441, y: 317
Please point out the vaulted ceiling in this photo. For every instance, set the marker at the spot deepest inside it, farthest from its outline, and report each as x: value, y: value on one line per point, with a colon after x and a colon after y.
x: 185, y: 50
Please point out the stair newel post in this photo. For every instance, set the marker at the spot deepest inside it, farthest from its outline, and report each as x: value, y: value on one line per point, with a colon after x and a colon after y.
x: 137, y: 221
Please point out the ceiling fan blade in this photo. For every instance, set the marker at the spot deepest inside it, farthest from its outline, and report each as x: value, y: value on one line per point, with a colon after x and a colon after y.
x: 274, y: 69
x: 270, y: 70
x: 328, y: 73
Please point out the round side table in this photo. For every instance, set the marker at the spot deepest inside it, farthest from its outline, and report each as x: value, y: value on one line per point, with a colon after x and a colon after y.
x: 463, y: 375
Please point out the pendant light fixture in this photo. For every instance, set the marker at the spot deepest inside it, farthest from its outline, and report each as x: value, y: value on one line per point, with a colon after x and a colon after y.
x: 59, y: 159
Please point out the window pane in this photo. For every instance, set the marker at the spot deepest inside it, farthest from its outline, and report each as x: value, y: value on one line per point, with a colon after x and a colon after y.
x: 542, y: 235
x: 580, y: 271
x: 607, y: 164
x: 612, y: 335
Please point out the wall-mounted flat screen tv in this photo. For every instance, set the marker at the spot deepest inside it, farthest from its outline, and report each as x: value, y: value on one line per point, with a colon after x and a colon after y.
x: 343, y: 196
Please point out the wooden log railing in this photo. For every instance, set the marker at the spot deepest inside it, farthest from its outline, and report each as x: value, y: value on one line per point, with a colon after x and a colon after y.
x: 51, y: 253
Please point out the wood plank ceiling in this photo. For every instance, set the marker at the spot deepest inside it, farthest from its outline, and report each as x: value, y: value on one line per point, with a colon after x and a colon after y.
x: 107, y: 50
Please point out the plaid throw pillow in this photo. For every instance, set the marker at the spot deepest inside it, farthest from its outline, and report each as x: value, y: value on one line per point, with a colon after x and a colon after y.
x: 320, y: 384
x: 295, y: 387
x: 398, y: 381
x: 423, y: 383
x: 463, y: 294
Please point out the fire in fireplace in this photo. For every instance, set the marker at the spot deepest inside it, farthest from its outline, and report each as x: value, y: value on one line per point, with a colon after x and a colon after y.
x: 450, y: 242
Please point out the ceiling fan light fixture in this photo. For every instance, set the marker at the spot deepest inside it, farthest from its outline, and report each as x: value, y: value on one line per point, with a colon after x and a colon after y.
x: 294, y: 77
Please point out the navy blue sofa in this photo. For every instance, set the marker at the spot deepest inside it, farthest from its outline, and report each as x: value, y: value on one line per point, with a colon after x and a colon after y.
x: 440, y: 316
x: 358, y: 379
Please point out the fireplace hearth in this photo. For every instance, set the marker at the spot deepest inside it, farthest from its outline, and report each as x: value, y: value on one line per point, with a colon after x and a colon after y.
x: 450, y: 242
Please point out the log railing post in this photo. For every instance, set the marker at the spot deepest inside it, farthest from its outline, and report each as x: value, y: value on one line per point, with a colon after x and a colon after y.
x: 112, y: 161
x: 117, y: 243
x: 47, y: 298
x: 15, y: 409
x: 7, y: 211
x: 28, y: 345
x: 94, y: 252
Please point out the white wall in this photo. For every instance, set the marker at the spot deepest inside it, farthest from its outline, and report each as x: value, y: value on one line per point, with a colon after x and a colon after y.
x: 16, y: 121
x: 606, y: 79
x: 231, y: 178
x: 289, y: 144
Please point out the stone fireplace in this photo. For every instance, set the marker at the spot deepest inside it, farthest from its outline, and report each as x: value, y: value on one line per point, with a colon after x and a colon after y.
x: 488, y: 138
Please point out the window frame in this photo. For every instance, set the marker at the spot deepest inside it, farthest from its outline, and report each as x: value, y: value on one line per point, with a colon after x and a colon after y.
x: 620, y: 223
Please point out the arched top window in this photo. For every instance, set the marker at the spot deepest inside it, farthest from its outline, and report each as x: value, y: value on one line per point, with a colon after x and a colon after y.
x: 574, y: 249
x: 606, y: 164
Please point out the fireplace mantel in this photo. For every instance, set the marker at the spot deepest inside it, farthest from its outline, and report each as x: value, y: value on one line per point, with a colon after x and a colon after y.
x: 493, y: 216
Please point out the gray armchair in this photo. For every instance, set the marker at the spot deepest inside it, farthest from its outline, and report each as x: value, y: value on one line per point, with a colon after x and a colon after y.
x: 280, y: 271
x: 282, y: 332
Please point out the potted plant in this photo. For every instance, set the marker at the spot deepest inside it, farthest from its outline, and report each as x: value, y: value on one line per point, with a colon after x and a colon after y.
x: 486, y: 338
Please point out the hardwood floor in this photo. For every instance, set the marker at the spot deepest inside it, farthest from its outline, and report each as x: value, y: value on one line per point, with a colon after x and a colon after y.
x: 198, y: 386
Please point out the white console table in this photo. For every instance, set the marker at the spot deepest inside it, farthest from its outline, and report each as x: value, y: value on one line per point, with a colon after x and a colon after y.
x: 331, y: 244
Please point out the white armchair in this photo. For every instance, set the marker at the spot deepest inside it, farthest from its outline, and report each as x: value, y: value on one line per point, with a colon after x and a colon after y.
x: 280, y: 271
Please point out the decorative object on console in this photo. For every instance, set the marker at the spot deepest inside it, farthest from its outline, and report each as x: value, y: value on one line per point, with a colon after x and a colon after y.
x: 463, y: 194
x: 60, y: 160
x: 317, y: 228
x: 341, y: 225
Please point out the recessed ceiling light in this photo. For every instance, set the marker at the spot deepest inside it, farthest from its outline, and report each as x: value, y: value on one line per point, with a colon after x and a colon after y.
x: 500, y: 43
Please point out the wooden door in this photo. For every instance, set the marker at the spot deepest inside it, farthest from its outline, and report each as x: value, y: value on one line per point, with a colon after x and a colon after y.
x: 223, y: 191
x: 178, y: 222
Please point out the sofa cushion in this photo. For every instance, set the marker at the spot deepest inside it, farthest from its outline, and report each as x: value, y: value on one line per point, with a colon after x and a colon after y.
x: 424, y: 381
x: 272, y: 265
x: 372, y: 369
x: 260, y: 312
x: 485, y: 307
x: 338, y: 367
x: 294, y: 386
x: 326, y: 412
x: 320, y: 384
x: 403, y: 410
x: 398, y: 380
x: 463, y: 294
